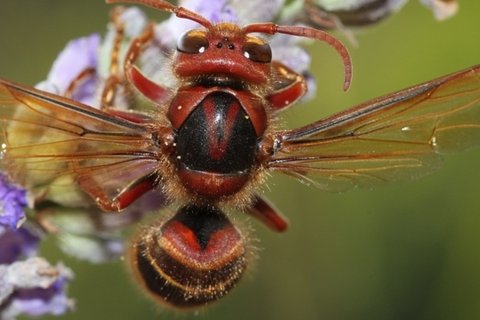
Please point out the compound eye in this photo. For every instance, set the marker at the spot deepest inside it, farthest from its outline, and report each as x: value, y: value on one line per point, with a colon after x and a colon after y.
x: 193, y: 41
x: 257, y: 51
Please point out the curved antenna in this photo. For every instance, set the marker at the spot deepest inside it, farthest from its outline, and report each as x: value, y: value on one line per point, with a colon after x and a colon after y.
x: 163, y: 5
x: 271, y: 28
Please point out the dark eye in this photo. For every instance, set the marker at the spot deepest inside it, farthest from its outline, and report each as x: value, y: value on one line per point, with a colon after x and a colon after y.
x: 193, y: 41
x: 257, y: 51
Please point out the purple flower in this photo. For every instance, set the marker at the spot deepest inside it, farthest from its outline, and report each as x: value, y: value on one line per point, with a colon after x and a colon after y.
x: 13, y: 201
x: 34, y: 287
x: 30, y: 286
x: 78, y: 56
x: 17, y: 243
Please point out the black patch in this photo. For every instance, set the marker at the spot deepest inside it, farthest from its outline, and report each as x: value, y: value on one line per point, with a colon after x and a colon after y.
x: 194, y: 148
x: 203, y: 221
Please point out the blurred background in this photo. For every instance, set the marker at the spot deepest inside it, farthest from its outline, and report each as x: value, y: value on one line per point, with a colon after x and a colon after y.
x: 402, y: 251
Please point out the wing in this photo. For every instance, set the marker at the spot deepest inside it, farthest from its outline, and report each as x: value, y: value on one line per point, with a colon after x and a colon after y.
x: 396, y: 137
x: 44, y: 137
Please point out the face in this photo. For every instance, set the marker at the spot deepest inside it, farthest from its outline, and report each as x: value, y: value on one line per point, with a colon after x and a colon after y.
x: 225, y: 51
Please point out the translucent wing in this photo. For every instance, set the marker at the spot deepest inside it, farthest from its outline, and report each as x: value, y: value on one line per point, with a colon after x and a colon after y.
x: 44, y: 137
x: 399, y: 136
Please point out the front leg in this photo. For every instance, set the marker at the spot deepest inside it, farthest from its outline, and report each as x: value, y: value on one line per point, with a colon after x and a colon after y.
x: 288, y: 87
x: 148, y: 88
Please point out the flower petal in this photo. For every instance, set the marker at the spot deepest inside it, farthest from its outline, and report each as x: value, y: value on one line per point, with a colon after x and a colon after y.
x: 90, y: 248
x: 79, y: 55
x: 17, y: 243
x: 256, y: 11
x: 6, y: 288
x: 13, y: 201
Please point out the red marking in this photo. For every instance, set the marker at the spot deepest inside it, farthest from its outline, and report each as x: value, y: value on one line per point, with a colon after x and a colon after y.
x: 185, y: 241
x: 219, y: 131
x: 182, y: 236
x: 212, y: 185
x: 184, y: 102
x: 255, y: 110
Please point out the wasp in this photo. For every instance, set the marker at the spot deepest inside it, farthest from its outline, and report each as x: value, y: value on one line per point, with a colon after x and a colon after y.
x: 211, y: 143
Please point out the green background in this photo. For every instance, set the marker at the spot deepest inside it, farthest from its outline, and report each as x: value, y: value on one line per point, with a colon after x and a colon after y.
x: 403, y: 251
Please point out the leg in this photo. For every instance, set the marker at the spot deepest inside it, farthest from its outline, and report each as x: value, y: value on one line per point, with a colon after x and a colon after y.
x: 123, y: 199
x: 115, y: 79
x: 148, y: 88
x: 78, y: 81
x: 289, y: 87
x: 269, y: 215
